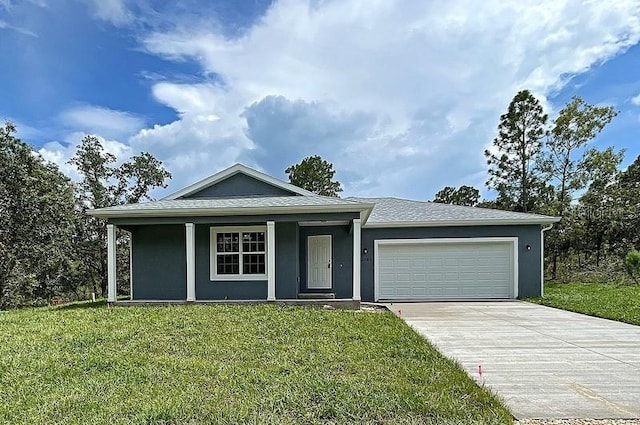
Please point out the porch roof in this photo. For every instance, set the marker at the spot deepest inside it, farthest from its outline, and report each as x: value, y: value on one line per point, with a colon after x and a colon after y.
x: 256, y: 205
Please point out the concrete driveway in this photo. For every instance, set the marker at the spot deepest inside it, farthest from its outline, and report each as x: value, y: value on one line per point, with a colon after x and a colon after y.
x: 543, y: 362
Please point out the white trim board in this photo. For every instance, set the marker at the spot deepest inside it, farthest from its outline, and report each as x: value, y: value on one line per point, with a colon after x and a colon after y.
x: 114, y: 212
x: 235, y: 169
x: 130, y: 266
x: 378, y: 242
x: 544, y: 229
x: 323, y: 223
x: 448, y: 223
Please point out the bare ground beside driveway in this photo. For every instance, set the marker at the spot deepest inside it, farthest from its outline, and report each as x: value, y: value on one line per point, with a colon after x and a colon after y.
x: 543, y: 362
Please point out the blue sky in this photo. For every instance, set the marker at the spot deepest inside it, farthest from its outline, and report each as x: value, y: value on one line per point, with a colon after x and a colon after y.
x: 402, y: 98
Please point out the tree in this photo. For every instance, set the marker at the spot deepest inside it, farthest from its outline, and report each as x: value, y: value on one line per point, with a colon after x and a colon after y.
x: 576, y: 125
x: 517, y: 146
x: 625, y: 193
x: 632, y: 265
x: 566, y: 166
x: 632, y: 174
x: 36, y: 224
x: 102, y: 184
x: 601, y: 205
x: 464, y: 195
x: 315, y: 175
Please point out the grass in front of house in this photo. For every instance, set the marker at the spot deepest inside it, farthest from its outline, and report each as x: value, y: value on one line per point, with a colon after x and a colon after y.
x: 228, y: 364
x: 617, y: 302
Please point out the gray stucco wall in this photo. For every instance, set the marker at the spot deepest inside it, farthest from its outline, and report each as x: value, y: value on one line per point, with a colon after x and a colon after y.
x: 239, y: 185
x: 342, y: 258
x: 528, y: 261
x: 159, y: 259
x: 287, y: 266
x: 286, y: 269
x: 159, y: 265
x: 221, y: 290
x: 159, y: 262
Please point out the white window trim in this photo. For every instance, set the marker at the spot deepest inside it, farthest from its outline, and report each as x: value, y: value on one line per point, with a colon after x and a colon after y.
x: 213, y: 259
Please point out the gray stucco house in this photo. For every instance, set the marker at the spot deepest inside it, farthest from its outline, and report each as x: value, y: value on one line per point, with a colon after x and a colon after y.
x: 243, y: 235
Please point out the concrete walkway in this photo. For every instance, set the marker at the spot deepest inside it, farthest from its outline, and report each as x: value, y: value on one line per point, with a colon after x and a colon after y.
x: 543, y: 362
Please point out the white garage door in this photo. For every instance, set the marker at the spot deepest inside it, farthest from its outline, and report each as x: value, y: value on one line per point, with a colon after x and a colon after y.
x: 445, y: 270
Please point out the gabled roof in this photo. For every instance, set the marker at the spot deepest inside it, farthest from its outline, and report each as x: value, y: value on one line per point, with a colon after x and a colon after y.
x: 236, y: 206
x: 231, y: 171
x: 374, y: 212
x: 394, y: 212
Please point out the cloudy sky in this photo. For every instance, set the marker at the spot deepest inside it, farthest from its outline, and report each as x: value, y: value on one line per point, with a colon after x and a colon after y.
x: 402, y: 96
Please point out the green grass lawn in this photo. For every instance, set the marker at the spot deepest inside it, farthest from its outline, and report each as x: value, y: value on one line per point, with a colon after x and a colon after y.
x: 228, y: 364
x: 615, y: 302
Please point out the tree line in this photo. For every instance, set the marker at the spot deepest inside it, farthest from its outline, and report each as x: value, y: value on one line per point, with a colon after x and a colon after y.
x: 49, y: 247
x: 546, y: 167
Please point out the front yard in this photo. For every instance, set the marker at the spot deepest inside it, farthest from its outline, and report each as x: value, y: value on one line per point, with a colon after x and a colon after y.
x: 227, y: 364
x: 615, y: 302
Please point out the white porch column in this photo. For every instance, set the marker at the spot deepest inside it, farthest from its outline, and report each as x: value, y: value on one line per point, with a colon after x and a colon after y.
x: 191, y: 261
x: 111, y: 263
x: 357, y: 225
x: 271, y: 261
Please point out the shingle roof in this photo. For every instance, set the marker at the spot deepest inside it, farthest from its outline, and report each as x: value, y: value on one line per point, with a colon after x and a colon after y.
x: 387, y: 212
x: 237, y: 205
x: 407, y: 212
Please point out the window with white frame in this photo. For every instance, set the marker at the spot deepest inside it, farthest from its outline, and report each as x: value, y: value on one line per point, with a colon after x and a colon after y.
x: 238, y: 253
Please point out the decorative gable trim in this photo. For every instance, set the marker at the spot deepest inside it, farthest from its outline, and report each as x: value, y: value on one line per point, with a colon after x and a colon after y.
x: 235, y: 169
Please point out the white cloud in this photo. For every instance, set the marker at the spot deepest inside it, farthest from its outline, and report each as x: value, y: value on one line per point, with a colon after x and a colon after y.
x: 107, y: 122
x: 636, y: 100
x: 113, y: 128
x: 193, y: 147
x: 403, y: 98
x: 21, y: 30
x: 188, y: 98
x: 59, y: 152
x: 113, y: 11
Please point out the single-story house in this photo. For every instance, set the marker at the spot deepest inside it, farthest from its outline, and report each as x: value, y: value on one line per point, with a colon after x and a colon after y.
x: 243, y: 235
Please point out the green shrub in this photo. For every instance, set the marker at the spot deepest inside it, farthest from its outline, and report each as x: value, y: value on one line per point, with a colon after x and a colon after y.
x: 632, y: 265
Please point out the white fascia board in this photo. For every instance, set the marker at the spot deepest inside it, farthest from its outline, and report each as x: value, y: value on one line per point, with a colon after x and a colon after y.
x: 237, y: 168
x: 453, y: 223
x: 190, y: 212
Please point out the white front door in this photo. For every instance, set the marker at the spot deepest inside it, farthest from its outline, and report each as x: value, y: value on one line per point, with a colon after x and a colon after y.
x: 319, y: 262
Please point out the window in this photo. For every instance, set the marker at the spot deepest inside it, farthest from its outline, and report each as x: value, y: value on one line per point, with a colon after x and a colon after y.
x: 238, y: 253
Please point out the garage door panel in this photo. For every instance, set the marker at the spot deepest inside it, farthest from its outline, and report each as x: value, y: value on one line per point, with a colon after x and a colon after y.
x: 419, y: 262
x: 402, y: 263
x: 403, y: 291
x: 419, y: 292
x: 435, y: 277
x: 387, y: 262
x: 467, y: 276
x: 445, y: 270
x: 434, y: 292
x: 468, y: 262
x: 434, y: 262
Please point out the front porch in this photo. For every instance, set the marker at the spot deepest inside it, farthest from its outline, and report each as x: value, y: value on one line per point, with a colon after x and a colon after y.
x: 217, y: 260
